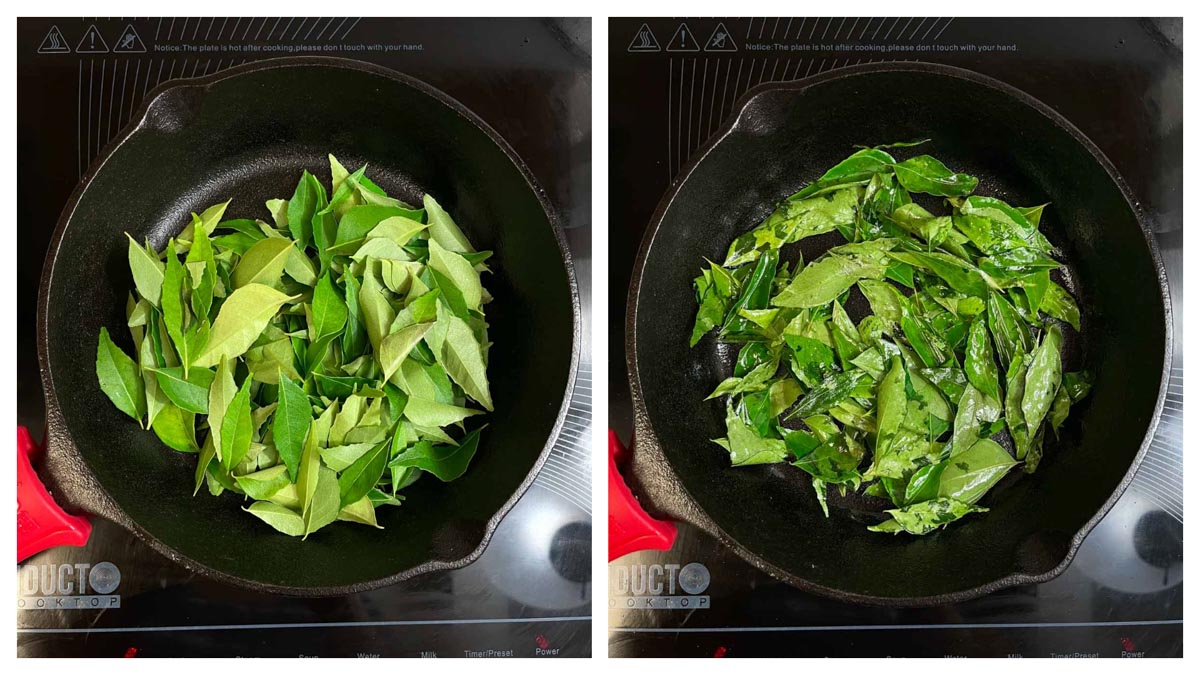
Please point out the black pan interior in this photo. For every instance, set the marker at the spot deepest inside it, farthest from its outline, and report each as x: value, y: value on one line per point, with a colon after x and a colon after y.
x: 787, y: 136
x: 247, y: 137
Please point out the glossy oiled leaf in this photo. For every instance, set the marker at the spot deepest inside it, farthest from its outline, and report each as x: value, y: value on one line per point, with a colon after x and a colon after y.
x: 824, y: 280
x: 829, y: 392
x: 119, y: 378
x: 926, y: 174
x: 1060, y: 305
x: 857, y: 168
x: 892, y: 404
x: 1014, y: 393
x: 1010, y: 333
x: 976, y: 411
x: 961, y: 342
x: 980, y: 363
x: 961, y: 276
x: 795, y: 219
x: 1043, y: 378
x: 970, y: 474
x: 925, y: 517
x: 241, y: 320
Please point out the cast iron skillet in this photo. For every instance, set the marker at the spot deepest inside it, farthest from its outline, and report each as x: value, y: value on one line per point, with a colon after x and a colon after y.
x: 784, y: 135
x: 246, y: 134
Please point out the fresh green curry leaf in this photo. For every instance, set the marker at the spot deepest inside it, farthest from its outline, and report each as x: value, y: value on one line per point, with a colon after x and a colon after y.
x: 119, y: 378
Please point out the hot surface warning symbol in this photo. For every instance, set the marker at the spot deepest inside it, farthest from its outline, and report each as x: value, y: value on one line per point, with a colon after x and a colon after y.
x: 54, y: 43
x: 92, y: 42
x: 129, y: 42
x: 683, y: 40
x: 644, y: 41
x: 720, y: 40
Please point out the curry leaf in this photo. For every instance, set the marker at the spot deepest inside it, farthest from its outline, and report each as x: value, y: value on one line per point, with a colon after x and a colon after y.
x: 291, y: 422
x: 147, y: 269
x: 962, y: 342
x: 236, y: 427
x: 241, y: 320
x: 925, y: 517
x: 926, y: 174
x: 980, y: 363
x: 328, y: 309
x: 119, y: 378
x: 443, y: 229
x: 970, y: 474
x: 263, y: 263
x: 1043, y: 379
x: 357, y: 479
x: 190, y: 391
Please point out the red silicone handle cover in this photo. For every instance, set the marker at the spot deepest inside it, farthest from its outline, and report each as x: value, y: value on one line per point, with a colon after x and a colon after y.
x: 630, y: 528
x: 41, y: 524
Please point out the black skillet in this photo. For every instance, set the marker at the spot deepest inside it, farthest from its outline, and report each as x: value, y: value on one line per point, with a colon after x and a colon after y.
x: 783, y: 135
x: 246, y: 134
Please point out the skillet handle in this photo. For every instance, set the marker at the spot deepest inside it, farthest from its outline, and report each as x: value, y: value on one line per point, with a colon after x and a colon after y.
x: 630, y: 528
x: 41, y: 523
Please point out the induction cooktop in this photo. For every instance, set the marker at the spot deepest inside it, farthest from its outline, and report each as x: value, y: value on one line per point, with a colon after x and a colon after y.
x: 674, y: 82
x: 79, y: 83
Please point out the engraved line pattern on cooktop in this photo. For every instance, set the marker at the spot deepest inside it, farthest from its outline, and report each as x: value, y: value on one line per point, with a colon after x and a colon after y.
x: 109, y: 108
x: 688, y: 128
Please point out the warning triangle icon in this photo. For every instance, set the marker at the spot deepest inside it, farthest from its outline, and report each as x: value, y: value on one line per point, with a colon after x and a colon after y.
x: 644, y: 41
x: 54, y: 43
x: 720, y: 40
x: 683, y: 40
x: 92, y: 42
x: 129, y: 42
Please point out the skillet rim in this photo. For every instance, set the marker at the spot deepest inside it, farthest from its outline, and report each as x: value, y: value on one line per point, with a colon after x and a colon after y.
x: 662, y: 466
x: 101, y: 501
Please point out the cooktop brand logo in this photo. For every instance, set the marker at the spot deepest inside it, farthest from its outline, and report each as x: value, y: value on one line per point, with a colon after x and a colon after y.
x: 66, y: 586
x: 668, y: 586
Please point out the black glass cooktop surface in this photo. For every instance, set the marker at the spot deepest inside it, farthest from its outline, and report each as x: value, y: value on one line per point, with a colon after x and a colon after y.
x: 79, y: 82
x: 673, y: 83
